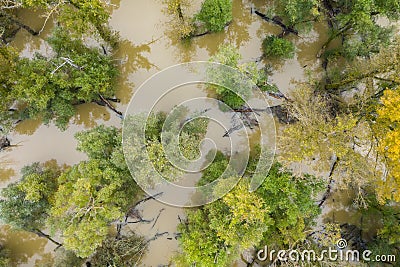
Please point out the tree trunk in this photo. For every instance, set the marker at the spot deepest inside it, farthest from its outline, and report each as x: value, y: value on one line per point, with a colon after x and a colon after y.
x: 4, y: 142
x: 48, y: 237
x: 329, y: 188
x: 108, y: 104
x: 276, y: 21
x: 344, y: 82
x: 18, y: 23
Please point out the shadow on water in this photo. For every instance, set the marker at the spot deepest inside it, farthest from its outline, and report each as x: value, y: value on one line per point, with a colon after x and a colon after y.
x: 25, y: 248
x: 131, y: 59
x: 341, y: 209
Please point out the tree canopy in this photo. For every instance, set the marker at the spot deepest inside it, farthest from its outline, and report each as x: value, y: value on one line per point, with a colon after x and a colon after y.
x: 50, y: 86
x: 278, y: 213
x: 99, y: 191
x: 25, y: 204
x: 236, y: 83
x: 213, y: 16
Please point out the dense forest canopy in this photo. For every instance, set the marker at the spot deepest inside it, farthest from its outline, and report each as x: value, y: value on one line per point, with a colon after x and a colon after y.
x: 341, y: 124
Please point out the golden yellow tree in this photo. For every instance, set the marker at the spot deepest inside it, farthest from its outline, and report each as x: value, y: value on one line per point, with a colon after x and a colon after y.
x: 388, y: 123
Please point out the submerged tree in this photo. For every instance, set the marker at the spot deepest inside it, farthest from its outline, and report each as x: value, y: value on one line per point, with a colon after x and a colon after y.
x: 387, y: 239
x: 8, y: 69
x: 93, y: 193
x: 163, y: 141
x: 26, y: 204
x: 330, y: 136
x: 355, y: 23
x: 297, y: 14
x: 63, y: 257
x: 276, y: 47
x: 51, y: 87
x: 235, y: 83
x: 77, y: 17
x: 349, y: 127
x: 181, y: 23
x: 229, y: 226
x: 213, y: 16
x: 124, y: 251
x: 278, y: 213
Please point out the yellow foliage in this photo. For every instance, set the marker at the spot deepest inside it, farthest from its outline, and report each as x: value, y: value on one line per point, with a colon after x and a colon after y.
x: 388, y: 126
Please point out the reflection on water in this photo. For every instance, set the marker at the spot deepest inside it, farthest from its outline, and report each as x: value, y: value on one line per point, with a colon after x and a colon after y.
x: 160, y: 250
x: 5, y: 173
x: 131, y: 59
x: 141, y: 22
x: 340, y: 208
x: 89, y: 115
x: 25, y: 248
x: 145, y: 49
x: 28, y: 127
x: 24, y: 41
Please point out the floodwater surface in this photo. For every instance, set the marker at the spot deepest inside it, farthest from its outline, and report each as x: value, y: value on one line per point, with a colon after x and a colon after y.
x: 146, y: 48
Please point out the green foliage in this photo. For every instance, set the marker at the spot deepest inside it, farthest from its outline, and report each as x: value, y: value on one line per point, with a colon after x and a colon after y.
x: 82, y: 15
x: 291, y: 205
x: 239, y: 82
x: 217, y: 232
x: 228, y: 55
x: 278, y: 213
x: 181, y: 24
x: 78, y: 17
x: 8, y: 63
x: 200, y: 243
x: 241, y: 218
x: 357, y: 24
x: 215, y: 170
x: 99, y: 191
x: 276, y: 47
x: 5, y: 260
x: 99, y: 143
x: 50, y: 87
x: 125, y: 251
x: 66, y: 258
x: 185, y: 142
x: 135, y: 152
x: 95, y: 199
x: 25, y: 204
x: 298, y: 13
x: 81, y: 201
x: 388, y: 213
x: 215, y: 14
x: 369, y: 41
x: 388, y: 233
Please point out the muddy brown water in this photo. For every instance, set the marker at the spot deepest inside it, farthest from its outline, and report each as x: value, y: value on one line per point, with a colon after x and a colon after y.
x: 146, y: 49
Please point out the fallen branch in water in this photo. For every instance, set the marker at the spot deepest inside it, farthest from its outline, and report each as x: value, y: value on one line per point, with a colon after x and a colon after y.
x: 156, y: 236
x: 148, y: 198
x: 108, y: 104
x: 329, y: 188
x: 158, y: 216
x: 277, y: 21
